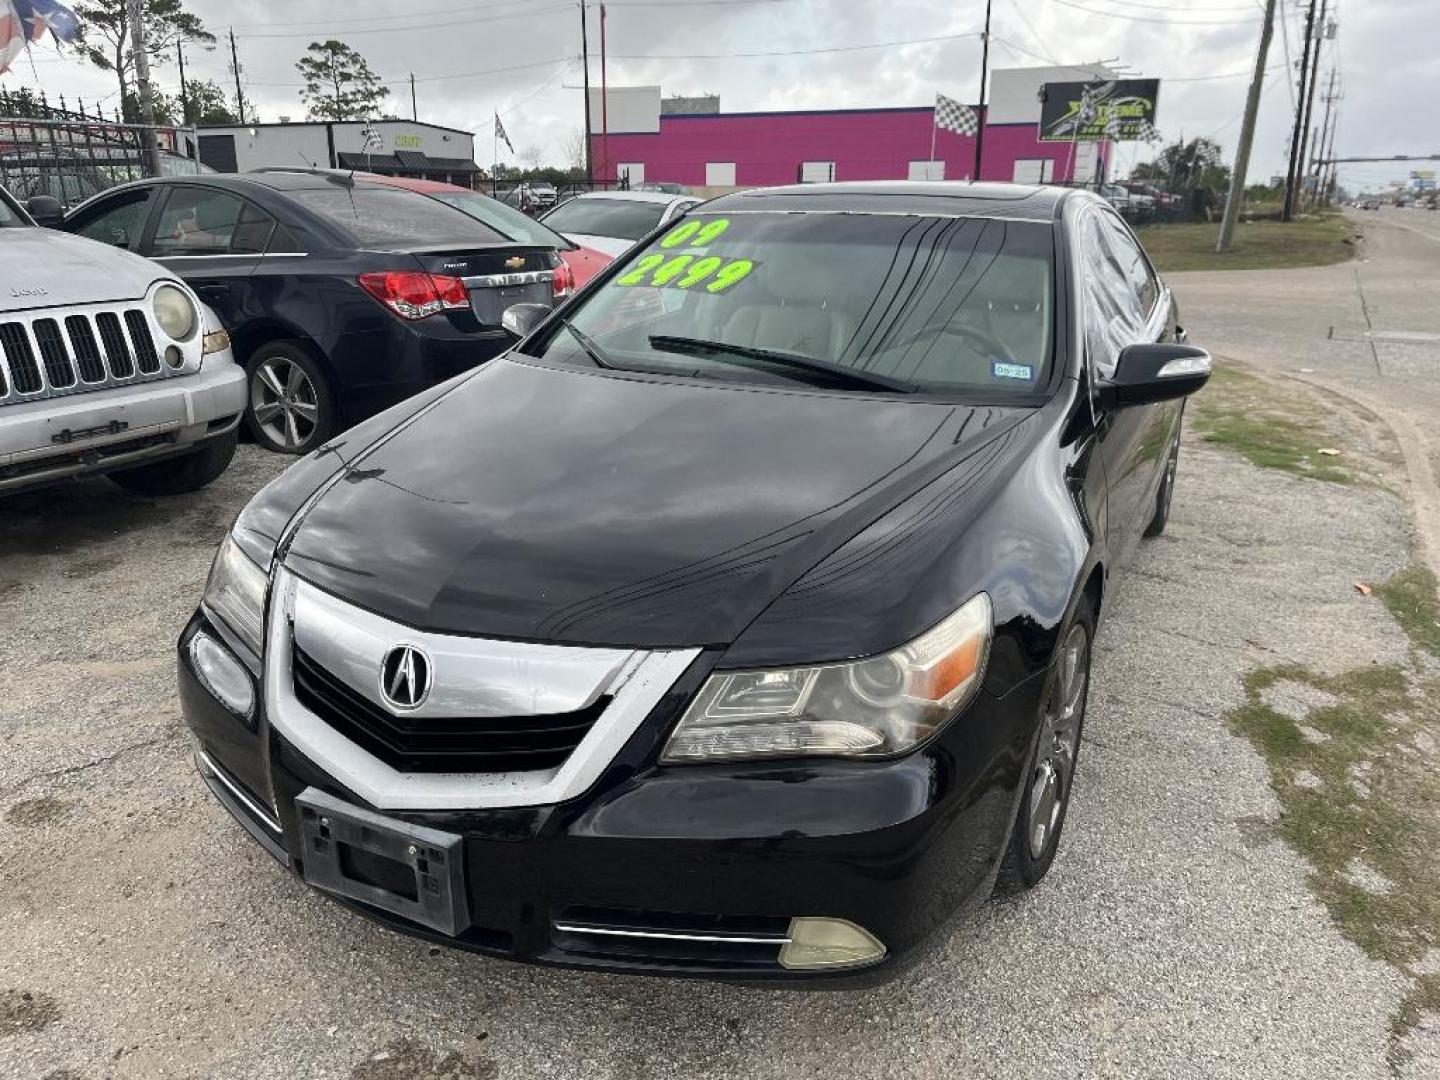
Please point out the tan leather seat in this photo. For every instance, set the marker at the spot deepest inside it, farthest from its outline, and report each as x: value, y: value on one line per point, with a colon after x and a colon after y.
x: 809, y: 330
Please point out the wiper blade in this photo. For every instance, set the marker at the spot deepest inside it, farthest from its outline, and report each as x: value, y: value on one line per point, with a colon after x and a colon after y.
x: 592, y: 350
x: 834, y: 372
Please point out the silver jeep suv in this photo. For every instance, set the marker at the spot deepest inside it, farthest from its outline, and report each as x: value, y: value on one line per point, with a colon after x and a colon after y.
x: 108, y: 364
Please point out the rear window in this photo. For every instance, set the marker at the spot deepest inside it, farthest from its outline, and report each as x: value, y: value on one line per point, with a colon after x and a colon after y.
x: 622, y: 219
x: 509, y: 221
x: 391, y: 217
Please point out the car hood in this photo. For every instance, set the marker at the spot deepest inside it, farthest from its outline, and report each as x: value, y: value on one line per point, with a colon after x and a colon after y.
x: 42, y: 267
x: 609, y: 245
x: 585, y: 263
x: 583, y: 507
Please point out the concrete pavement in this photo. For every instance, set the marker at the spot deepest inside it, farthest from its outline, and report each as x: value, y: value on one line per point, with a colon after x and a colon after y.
x: 143, y: 935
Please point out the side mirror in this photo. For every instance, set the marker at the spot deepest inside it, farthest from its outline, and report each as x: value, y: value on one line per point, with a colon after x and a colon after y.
x: 519, y: 319
x: 1151, y: 373
x: 45, y: 210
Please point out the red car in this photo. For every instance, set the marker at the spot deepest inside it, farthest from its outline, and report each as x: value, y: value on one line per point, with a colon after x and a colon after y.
x: 583, y: 262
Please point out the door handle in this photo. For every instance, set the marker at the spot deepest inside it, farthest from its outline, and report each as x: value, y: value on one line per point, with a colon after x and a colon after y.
x: 213, y: 290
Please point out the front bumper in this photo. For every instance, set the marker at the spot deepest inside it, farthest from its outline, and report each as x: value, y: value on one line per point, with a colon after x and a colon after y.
x: 691, y: 871
x: 55, y: 438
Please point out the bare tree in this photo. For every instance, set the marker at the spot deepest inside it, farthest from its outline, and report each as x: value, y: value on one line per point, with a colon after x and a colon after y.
x: 104, y: 38
x: 574, y: 147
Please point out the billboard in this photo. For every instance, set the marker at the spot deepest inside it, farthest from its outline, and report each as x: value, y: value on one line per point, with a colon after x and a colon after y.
x: 1118, y: 109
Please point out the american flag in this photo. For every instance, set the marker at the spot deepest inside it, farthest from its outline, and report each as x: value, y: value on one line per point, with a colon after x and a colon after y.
x: 42, y: 15
x: 953, y: 116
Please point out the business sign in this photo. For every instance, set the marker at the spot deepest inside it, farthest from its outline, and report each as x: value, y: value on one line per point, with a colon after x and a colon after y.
x: 1122, y: 110
x: 1422, y: 179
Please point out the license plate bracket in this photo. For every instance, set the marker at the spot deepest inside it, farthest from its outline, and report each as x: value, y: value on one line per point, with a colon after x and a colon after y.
x: 408, y: 870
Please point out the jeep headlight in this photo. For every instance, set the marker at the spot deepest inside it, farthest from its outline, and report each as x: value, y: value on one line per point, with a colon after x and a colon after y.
x: 235, y: 594
x: 175, y: 312
x: 874, y: 707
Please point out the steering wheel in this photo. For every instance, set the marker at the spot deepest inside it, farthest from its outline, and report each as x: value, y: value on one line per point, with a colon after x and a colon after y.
x: 989, y: 345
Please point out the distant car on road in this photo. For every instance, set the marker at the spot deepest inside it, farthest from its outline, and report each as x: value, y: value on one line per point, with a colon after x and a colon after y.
x: 109, y: 364
x: 611, y: 221
x: 582, y: 263
x: 1370, y: 204
x: 343, y: 295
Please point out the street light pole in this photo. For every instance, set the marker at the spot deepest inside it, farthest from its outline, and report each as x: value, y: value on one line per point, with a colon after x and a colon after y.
x: 1302, y: 167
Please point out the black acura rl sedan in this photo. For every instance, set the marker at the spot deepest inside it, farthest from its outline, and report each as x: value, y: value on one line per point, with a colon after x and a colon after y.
x: 737, y: 621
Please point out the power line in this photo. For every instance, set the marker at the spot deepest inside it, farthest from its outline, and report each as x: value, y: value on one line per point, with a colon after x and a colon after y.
x: 794, y: 52
x: 1150, y: 18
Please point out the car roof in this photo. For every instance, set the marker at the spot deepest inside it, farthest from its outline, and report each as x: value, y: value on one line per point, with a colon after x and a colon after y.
x: 958, y: 198
x: 636, y: 196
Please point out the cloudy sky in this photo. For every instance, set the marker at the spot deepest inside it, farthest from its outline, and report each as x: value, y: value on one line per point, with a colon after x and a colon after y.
x: 521, y: 57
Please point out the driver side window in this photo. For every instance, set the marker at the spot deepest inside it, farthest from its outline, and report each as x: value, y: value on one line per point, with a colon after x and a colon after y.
x: 1120, y: 291
x: 119, y: 221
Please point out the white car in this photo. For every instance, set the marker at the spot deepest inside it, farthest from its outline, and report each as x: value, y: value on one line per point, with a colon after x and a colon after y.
x: 108, y: 364
x: 611, y: 221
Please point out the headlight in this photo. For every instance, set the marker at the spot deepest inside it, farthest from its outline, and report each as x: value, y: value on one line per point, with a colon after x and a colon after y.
x: 235, y: 594
x: 175, y: 312
x: 875, y: 707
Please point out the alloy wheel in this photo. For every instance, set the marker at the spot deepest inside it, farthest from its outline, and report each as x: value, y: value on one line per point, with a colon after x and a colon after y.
x: 1059, y: 739
x: 284, y: 402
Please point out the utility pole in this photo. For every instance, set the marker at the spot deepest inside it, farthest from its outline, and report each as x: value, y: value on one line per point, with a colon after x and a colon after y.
x: 184, y: 92
x: 138, y: 46
x: 235, y: 67
x: 1247, y: 134
x: 414, y: 109
x: 1298, y: 131
x: 1328, y: 166
x: 585, y: 61
x: 980, y: 117
x: 1317, y: 151
x: 1303, y: 165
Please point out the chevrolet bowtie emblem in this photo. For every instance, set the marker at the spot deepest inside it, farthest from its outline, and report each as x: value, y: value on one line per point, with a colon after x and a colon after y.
x: 515, y: 262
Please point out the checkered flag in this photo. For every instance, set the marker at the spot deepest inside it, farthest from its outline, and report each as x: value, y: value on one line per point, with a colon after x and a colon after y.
x: 1147, y: 132
x: 373, y: 142
x: 952, y: 116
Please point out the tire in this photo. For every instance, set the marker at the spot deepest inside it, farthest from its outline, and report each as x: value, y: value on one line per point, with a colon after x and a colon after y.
x: 1028, y: 857
x: 290, y: 408
x: 179, y: 475
x: 1166, y: 492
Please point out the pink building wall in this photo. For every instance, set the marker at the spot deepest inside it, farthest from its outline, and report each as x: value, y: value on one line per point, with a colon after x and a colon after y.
x: 865, y: 144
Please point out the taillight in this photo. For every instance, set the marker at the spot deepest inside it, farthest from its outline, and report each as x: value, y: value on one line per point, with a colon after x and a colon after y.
x: 563, y: 283
x: 412, y: 294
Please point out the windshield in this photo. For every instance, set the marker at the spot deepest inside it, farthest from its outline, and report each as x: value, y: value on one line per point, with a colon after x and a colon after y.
x: 920, y: 303
x: 497, y: 215
x: 622, y: 219
x: 386, y: 217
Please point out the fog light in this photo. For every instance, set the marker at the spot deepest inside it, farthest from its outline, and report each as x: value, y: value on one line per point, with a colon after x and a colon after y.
x: 828, y: 943
x: 173, y: 356
x: 222, y: 674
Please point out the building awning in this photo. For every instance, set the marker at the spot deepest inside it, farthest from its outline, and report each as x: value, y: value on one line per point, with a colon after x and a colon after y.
x: 406, y: 161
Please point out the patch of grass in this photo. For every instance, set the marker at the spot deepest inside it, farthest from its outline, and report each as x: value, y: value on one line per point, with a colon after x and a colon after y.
x: 1259, y: 245
x: 1271, y: 427
x: 1357, y: 790
x: 1410, y: 595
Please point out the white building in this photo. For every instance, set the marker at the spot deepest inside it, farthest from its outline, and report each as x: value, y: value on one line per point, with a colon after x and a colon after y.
x: 408, y: 148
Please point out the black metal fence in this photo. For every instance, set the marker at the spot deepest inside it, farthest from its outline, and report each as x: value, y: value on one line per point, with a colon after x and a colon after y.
x: 70, y: 156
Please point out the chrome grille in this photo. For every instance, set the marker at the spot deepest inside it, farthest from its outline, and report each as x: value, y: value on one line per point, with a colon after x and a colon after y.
x: 44, y: 356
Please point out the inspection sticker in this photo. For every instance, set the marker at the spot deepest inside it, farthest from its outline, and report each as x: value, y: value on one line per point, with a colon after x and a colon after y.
x: 1011, y: 371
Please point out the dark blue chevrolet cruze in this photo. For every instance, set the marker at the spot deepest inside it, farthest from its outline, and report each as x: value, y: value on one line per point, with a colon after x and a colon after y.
x: 342, y: 296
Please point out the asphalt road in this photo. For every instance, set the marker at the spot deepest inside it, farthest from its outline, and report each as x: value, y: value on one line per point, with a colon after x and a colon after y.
x: 142, y: 934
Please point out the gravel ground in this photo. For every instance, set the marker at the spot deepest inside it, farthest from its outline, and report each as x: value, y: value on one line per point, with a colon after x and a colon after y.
x: 143, y: 934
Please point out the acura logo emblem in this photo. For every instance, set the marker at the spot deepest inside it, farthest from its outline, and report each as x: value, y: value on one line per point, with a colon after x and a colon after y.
x: 405, y: 677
